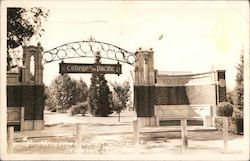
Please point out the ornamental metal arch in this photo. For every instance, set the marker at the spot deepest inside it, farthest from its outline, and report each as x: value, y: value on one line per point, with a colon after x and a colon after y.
x: 89, y: 48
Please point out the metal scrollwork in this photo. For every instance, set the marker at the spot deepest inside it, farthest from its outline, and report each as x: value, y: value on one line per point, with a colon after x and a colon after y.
x: 89, y: 48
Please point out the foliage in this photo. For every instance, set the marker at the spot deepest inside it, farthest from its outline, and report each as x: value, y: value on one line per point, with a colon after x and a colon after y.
x: 64, y: 92
x: 100, y: 97
x: 65, y: 87
x: 79, y: 108
x: 121, y: 96
x: 22, y: 25
x: 237, y: 113
x: 50, y: 98
x: 236, y: 96
x: 231, y: 96
x: 239, y: 89
x: 235, y: 126
x: 219, y: 124
x: 82, y: 91
x: 224, y: 109
x: 94, y: 95
x: 105, y: 100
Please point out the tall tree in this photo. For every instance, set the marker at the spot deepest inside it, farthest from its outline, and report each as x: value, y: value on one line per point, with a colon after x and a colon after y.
x: 94, y: 95
x: 105, y: 97
x: 22, y: 25
x: 82, y: 91
x: 100, y: 96
x: 65, y: 87
x: 239, y: 89
x: 121, y: 97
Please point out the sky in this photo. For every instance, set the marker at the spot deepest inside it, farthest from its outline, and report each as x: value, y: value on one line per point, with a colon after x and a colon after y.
x: 185, y: 35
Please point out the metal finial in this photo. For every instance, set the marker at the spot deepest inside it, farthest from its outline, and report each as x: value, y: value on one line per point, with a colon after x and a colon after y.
x: 91, y: 38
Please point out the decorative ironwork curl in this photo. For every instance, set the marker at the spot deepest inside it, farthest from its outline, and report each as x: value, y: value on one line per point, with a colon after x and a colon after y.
x: 89, y: 48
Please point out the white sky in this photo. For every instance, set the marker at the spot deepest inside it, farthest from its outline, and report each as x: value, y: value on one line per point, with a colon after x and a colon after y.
x: 196, y: 35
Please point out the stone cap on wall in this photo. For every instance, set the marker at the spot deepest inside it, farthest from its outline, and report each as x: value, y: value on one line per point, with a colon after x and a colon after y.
x: 173, y: 72
x: 12, y: 78
x: 184, y: 79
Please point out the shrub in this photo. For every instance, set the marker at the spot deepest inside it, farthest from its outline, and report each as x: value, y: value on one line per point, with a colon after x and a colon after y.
x: 235, y: 126
x: 79, y: 108
x: 238, y: 116
x: 235, y: 123
x: 219, y: 124
x: 224, y: 109
x: 237, y: 112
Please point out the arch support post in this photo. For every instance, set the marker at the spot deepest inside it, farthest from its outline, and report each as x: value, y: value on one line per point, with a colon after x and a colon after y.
x: 144, y: 87
x: 31, y: 89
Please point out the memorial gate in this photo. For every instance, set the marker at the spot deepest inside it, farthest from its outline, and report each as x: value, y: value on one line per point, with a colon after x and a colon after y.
x: 157, y: 95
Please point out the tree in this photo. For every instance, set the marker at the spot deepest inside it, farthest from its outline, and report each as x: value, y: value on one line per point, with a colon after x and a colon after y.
x: 94, y: 95
x: 64, y: 92
x: 51, y: 97
x: 105, y: 98
x: 82, y: 91
x: 100, y: 97
x: 231, y: 96
x: 121, y: 96
x: 22, y: 25
x: 239, y: 89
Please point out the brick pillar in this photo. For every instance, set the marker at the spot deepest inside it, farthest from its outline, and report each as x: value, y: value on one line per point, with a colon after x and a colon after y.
x: 221, y: 86
x: 144, y: 87
x: 33, y: 91
x: 38, y: 65
x: 219, y: 77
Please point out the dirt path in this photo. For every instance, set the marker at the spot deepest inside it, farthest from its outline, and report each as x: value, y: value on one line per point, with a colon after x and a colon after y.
x: 108, y: 136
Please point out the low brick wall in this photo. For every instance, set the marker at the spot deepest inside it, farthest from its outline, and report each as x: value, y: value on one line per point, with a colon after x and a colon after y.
x: 144, y: 99
x: 28, y: 96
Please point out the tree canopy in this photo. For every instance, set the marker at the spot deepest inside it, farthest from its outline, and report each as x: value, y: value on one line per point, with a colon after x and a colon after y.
x: 121, y: 96
x: 239, y: 89
x: 65, y: 92
x: 236, y: 96
x: 22, y: 25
